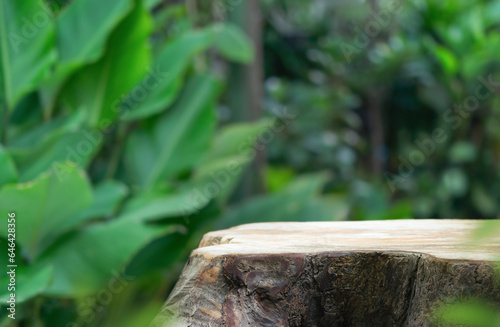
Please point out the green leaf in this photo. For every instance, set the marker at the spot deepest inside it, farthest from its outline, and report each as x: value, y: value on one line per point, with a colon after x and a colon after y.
x: 100, y: 87
x: 8, y: 173
x: 232, y: 43
x: 155, y: 206
x: 42, y: 206
x: 179, y: 139
x: 160, y: 87
x: 447, y: 59
x: 85, y: 261
x: 77, y: 147
x: 41, y: 132
x: 26, y: 41
x: 47, y: 145
x: 163, y: 83
x: 29, y: 284
x: 217, y: 176
x: 278, y: 177
x: 106, y: 198
x: 83, y: 28
x: 472, y: 314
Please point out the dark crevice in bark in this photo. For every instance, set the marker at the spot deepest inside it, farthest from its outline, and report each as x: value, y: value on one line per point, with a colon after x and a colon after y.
x: 413, y: 286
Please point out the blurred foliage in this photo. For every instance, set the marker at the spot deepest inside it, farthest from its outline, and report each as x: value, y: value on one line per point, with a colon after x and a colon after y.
x: 116, y: 157
x: 371, y: 81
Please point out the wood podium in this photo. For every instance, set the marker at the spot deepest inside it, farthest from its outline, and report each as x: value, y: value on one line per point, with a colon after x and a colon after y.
x: 370, y: 273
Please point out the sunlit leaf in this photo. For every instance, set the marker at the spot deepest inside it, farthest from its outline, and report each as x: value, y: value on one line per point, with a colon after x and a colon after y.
x: 84, y: 26
x: 162, y: 84
x: 446, y: 58
x: 100, y: 87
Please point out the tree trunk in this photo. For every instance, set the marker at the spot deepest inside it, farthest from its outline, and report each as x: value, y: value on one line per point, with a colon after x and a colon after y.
x: 373, y: 273
x: 245, y: 91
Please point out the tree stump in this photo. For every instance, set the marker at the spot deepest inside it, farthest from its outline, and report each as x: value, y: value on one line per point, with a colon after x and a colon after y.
x: 370, y: 273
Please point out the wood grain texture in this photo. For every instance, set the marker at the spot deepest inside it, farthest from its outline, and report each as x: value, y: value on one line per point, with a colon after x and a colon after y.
x: 374, y: 273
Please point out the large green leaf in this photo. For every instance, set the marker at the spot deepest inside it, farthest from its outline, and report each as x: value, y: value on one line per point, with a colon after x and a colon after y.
x: 29, y: 283
x: 77, y: 147
x: 179, y: 139
x: 85, y: 261
x: 157, y: 206
x: 99, y: 88
x: 8, y: 173
x: 84, y: 26
x: 163, y: 82
x: 48, y: 145
x: 26, y: 41
x: 82, y: 29
x: 43, y: 205
x: 36, y: 135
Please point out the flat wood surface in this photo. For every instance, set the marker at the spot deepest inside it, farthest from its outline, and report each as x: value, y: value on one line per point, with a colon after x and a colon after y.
x: 370, y: 273
x: 447, y: 238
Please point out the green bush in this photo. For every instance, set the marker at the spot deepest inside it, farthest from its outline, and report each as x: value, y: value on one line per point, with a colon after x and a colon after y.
x: 107, y: 129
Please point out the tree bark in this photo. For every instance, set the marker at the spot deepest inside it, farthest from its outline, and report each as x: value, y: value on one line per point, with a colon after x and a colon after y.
x: 374, y: 273
x: 245, y: 91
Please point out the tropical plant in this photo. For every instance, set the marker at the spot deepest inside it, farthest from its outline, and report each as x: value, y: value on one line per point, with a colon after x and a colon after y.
x: 107, y: 128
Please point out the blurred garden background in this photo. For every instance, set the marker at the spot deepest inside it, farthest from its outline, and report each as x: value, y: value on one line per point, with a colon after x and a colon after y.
x: 129, y: 128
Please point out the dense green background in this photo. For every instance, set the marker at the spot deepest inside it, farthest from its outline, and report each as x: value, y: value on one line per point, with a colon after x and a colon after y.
x: 122, y: 138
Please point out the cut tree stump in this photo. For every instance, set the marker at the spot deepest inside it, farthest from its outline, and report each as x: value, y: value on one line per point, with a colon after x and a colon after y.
x: 370, y: 273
